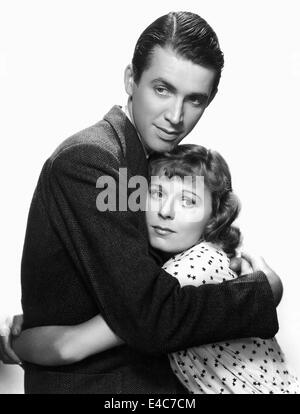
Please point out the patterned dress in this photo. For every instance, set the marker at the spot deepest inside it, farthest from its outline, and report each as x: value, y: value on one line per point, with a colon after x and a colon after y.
x: 242, y: 366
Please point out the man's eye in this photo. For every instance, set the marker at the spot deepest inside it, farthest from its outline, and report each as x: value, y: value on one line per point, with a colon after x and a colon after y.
x: 198, y: 101
x: 160, y: 90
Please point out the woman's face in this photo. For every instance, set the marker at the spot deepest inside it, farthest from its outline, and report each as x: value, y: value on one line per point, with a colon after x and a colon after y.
x: 177, y: 212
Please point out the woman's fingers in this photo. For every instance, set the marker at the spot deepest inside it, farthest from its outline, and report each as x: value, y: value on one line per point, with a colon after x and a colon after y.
x: 17, y: 324
x: 7, y: 354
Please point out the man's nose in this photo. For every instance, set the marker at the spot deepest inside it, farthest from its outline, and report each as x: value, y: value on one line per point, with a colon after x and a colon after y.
x: 174, y: 113
x: 166, y: 210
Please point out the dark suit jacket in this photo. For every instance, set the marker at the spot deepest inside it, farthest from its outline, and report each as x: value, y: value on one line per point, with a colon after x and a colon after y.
x: 78, y: 262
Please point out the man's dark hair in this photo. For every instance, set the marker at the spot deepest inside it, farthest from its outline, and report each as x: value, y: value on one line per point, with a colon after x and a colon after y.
x: 187, y: 34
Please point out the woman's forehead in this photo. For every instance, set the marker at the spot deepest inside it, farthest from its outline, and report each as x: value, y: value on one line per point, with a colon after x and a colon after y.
x: 178, y: 184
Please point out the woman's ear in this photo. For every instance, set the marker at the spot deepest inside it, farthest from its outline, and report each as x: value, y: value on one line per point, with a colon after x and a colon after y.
x: 128, y: 80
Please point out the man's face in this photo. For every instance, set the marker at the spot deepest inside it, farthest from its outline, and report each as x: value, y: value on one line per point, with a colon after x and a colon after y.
x: 169, y: 99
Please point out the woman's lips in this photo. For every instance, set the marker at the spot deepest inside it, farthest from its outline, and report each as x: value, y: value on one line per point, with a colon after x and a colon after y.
x: 162, y: 231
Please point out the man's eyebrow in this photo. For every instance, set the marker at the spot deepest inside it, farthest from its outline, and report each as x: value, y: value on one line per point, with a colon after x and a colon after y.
x: 196, y: 95
x: 165, y: 83
x: 200, y: 96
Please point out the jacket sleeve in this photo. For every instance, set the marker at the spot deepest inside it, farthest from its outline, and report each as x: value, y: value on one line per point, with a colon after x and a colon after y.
x: 143, y: 304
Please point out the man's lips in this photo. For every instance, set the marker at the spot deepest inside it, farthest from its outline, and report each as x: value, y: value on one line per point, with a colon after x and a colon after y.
x: 168, y: 134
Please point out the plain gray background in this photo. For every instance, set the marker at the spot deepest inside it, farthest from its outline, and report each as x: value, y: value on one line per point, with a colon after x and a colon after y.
x: 61, y: 69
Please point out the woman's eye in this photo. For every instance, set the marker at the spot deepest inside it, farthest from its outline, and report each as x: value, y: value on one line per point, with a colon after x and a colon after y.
x: 188, y: 202
x: 156, y: 194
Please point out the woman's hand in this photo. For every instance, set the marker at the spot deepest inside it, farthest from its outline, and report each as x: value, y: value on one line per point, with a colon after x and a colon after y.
x: 258, y: 263
x: 10, y: 328
x: 64, y: 345
x: 46, y: 345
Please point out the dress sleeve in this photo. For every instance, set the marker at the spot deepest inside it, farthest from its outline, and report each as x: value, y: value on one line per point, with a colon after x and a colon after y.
x: 200, y: 265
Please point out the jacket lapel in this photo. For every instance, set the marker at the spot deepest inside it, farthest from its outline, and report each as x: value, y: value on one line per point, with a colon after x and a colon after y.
x: 131, y: 146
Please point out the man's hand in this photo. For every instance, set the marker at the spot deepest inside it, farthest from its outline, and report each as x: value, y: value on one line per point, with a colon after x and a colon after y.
x: 236, y: 265
x: 240, y: 266
x: 258, y: 263
x: 9, y: 327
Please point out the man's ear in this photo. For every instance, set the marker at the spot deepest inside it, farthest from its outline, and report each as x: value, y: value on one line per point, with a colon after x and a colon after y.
x: 213, y: 94
x: 128, y: 80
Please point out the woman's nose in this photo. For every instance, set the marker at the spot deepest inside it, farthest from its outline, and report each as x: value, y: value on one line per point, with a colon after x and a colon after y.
x: 166, y: 210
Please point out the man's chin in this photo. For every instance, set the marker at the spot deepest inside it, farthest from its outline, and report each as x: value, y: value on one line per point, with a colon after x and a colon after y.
x: 163, y: 146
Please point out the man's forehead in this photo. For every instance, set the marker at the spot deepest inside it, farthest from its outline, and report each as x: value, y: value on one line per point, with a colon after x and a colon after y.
x: 168, y: 66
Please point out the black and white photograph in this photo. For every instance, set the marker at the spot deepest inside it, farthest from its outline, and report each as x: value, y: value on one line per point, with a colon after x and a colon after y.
x: 150, y: 198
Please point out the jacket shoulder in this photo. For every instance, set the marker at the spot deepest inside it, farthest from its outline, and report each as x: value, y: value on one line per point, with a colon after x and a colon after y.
x: 99, y: 138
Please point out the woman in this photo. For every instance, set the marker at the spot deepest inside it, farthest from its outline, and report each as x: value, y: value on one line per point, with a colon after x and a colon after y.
x: 191, y: 208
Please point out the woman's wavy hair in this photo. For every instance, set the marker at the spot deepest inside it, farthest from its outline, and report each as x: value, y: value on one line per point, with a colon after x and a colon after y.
x: 195, y: 160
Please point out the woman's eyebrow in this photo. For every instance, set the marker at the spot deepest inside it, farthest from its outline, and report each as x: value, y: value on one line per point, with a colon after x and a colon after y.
x: 191, y: 192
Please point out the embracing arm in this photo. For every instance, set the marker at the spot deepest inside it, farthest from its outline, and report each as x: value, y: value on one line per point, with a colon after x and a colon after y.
x: 61, y: 345
x: 258, y: 263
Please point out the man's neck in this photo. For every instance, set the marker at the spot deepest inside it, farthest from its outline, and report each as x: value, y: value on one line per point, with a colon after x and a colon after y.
x: 128, y: 111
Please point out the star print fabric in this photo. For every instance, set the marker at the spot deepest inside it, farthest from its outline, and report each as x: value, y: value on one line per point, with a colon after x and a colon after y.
x: 243, y: 366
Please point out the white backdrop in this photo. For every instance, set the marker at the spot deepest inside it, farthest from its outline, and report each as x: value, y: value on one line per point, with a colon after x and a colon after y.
x: 61, y: 69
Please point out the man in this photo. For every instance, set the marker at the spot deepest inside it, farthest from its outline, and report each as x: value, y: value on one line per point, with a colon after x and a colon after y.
x: 79, y: 261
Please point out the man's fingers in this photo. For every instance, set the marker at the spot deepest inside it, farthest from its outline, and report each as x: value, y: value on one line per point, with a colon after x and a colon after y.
x: 256, y: 261
x: 235, y: 264
x: 247, y: 256
x: 246, y: 267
